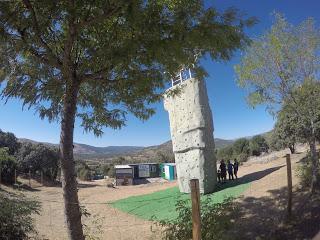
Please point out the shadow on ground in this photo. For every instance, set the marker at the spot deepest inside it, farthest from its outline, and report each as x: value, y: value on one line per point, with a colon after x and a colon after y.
x: 266, y: 217
x: 247, y: 178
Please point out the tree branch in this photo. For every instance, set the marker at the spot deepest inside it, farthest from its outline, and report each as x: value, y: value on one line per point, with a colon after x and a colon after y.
x: 34, y: 52
x: 107, y: 12
x: 51, y: 55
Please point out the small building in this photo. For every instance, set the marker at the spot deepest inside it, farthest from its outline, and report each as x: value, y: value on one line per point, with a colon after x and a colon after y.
x: 168, y: 171
x: 146, y: 170
x: 124, y: 175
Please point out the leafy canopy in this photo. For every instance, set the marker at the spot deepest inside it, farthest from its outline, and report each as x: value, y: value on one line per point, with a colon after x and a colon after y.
x: 305, y: 111
x: 16, y: 216
x: 118, y: 53
x: 9, y: 141
x: 39, y: 158
x: 278, y: 61
x: 8, y: 166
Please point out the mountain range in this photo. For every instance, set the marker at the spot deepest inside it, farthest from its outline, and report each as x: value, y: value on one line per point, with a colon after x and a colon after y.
x: 135, y: 153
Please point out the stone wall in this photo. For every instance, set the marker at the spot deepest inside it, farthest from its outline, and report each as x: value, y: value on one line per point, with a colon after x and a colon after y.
x: 191, y: 128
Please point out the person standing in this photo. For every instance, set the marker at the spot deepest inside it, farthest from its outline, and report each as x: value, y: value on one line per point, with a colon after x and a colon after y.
x: 219, y: 175
x: 223, y: 170
x: 235, y: 168
x: 230, y: 170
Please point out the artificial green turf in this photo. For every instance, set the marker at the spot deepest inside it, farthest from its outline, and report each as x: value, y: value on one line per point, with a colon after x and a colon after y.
x: 161, y: 204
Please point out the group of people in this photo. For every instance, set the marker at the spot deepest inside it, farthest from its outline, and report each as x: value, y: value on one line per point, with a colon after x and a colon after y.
x: 232, y: 170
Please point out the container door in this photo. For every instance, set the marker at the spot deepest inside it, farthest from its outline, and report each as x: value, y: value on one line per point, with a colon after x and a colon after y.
x: 171, y: 173
x: 144, y: 171
x: 167, y: 172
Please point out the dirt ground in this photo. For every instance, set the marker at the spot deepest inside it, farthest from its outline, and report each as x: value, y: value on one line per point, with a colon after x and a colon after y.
x: 269, y: 181
x: 105, y: 221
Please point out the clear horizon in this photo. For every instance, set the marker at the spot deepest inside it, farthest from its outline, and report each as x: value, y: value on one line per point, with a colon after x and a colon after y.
x: 232, y: 117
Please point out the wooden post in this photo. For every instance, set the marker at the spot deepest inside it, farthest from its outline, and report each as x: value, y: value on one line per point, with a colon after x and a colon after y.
x: 289, y: 175
x: 29, y: 178
x: 196, y: 220
x: 15, y: 176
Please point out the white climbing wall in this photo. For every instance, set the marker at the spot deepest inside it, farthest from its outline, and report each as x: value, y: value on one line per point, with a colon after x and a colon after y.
x: 191, y: 128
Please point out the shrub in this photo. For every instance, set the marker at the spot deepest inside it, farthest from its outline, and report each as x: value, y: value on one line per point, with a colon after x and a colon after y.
x: 216, y: 219
x: 15, y: 216
x: 7, y: 166
x: 83, y: 171
x: 243, y: 157
x: 39, y: 158
x: 304, y: 172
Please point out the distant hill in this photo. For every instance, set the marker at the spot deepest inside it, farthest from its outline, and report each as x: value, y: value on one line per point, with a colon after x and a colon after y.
x: 84, y: 150
x: 131, y: 153
x: 220, y: 143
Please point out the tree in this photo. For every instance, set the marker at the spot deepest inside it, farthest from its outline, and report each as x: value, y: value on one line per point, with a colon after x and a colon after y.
x: 16, y: 216
x: 241, y: 145
x: 285, y: 133
x: 99, y: 60
x: 225, y: 152
x: 8, y: 166
x: 305, y: 110
x: 83, y: 171
x: 164, y: 157
x: 257, y: 145
x: 278, y: 63
x: 10, y: 141
x: 39, y: 158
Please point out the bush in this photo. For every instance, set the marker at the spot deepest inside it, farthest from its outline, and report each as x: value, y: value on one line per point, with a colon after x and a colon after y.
x: 304, y: 172
x: 243, y: 157
x: 216, y: 219
x: 15, y: 216
x: 39, y: 158
x: 83, y: 171
x: 8, y: 166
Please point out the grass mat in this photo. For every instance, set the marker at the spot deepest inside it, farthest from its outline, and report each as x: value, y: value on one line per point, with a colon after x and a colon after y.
x: 161, y: 204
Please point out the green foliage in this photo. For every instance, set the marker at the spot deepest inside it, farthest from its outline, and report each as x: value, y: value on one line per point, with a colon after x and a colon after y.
x: 83, y: 171
x: 93, y: 228
x: 10, y: 141
x: 37, y: 158
x: 278, y: 61
x: 16, y: 216
x: 115, y: 55
x: 304, y: 171
x: 216, y: 219
x: 225, y: 152
x: 243, y: 148
x: 285, y: 133
x: 8, y: 166
x: 257, y: 145
x: 303, y: 108
x: 164, y: 157
x: 103, y: 169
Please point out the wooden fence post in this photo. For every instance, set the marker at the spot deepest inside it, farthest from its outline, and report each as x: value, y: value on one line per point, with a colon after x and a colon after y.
x: 289, y: 175
x: 15, y: 176
x: 196, y: 220
x: 41, y: 178
x: 29, y: 178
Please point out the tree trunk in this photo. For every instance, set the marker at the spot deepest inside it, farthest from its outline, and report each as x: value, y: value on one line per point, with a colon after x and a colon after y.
x: 315, y: 182
x: 292, y: 149
x: 69, y: 182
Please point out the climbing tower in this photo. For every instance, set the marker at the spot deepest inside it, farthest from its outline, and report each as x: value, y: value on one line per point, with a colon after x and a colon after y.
x: 191, y: 129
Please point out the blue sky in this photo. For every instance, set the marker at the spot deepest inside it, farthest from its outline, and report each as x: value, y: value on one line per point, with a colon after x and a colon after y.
x: 233, y: 118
